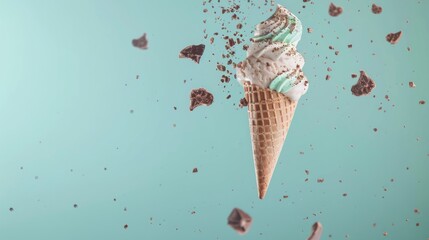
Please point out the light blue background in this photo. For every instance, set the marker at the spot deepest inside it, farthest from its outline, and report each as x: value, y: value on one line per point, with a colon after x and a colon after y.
x: 68, y: 85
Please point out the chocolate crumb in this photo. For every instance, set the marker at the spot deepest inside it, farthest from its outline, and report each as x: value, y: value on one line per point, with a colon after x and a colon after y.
x: 393, y: 38
x: 125, y: 226
x: 309, y: 30
x: 75, y: 205
x: 328, y: 77
x: 320, y: 180
x: 11, y: 209
x: 195, y: 170
x: 243, y: 102
x: 421, y: 102
x: 335, y: 11
x: 239, y: 221
x: 200, y: 97
x: 221, y: 67
x: 140, y: 42
x: 193, y: 52
x: 354, y: 75
x: 376, y: 9
x: 364, y: 85
x: 412, y: 84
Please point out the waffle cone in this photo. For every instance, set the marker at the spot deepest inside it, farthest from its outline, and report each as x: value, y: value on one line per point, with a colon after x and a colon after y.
x: 270, y: 115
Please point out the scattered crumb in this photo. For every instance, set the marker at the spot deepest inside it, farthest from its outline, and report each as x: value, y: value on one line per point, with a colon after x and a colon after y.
x: 193, y: 52
x: 376, y: 9
x: 364, y: 85
x: 140, y: 42
x: 393, y: 38
x: 200, y: 97
x: 335, y: 11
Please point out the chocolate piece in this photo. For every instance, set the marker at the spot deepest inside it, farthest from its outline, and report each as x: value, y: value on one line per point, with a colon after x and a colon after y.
x: 422, y: 102
x: 200, y: 97
x: 195, y: 170
x: 412, y: 84
x: 193, y: 52
x: 393, y: 38
x: 320, y: 180
x: 364, y: 85
x: 317, y: 230
x: 239, y: 221
x: 75, y: 205
x: 376, y: 9
x: 243, y: 102
x: 140, y: 42
x: 335, y: 11
x: 125, y: 226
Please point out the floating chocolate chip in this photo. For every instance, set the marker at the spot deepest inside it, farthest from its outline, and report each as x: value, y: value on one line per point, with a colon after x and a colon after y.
x: 316, y: 233
x: 193, y: 52
x: 393, y: 38
x: 239, y: 221
x: 200, y: 97
x: 335, y: 11
x: 364, y: 85
x: 243, y: 102
x: 140, y: 42
x: 376, y: 9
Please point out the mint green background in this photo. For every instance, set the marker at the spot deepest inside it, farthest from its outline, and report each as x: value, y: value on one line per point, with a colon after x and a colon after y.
x: 67, y: 86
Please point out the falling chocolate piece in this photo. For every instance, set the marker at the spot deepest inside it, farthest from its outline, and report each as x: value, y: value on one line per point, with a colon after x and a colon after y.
x: 140, y: 42
x: 364, y: 85
x: 243, y: 102
x: 200, y: 97
x: 193, y: 52
x: 393, y: 38
x: 317, y: 230
x: 335, y: 11
x: 376, y: 9
x: 239, y: 221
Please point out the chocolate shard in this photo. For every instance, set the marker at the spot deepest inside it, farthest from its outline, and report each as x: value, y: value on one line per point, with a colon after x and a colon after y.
x: 200, y: 97
x: 239, y: 221
x: 140, y: 42
x: 316, y: 233
x: 376, y: 9
x: 193, y: 52
x: 335, y: 11
x: 393, y: 38
x: 364, y: 85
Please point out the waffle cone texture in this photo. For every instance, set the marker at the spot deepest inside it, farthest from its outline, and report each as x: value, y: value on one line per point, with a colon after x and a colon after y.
x: 270, y: 116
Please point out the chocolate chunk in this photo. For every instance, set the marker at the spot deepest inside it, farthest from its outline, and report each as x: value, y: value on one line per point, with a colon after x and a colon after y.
x: 200, y: 97
x: 364, y: 85
x: 376, y: 9
x: 335, y: 11
x: 125, y: 226
x: 422, y: 102
x: 140, y: 42
x: 393, y: 38
x: 243, y: 102
x: 316, y: 233
x: 411, y: 84
x: 195, y: 170
x: 193, y: 52
x: 225, y: 79
x: 239, y: 221
x: 221, y: 67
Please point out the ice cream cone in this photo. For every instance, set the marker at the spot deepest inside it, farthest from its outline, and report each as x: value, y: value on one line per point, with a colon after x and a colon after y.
x: 270, y: 115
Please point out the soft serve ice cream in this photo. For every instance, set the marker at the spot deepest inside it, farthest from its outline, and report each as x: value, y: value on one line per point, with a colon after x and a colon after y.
x: 272, y: 60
